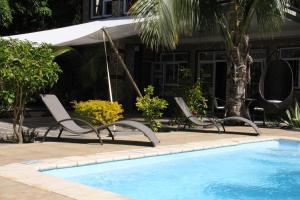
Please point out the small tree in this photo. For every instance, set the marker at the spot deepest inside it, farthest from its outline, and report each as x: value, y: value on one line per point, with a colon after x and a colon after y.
x: 151, y: 107
x: 25, y: 69
x: 196, y: 101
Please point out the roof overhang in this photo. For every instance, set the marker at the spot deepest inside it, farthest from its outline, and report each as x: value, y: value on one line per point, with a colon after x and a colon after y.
x: 290, y: 29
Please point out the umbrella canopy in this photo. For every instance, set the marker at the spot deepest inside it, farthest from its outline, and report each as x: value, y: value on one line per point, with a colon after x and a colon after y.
x: 83, y: 34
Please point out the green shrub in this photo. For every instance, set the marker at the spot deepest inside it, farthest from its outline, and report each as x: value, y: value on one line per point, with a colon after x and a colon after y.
x: 293, y: 116
x: 192, y: 94
x: 151, y: 107
x: 103, y: 111
x: 25, y: 69
x: 196, y: 101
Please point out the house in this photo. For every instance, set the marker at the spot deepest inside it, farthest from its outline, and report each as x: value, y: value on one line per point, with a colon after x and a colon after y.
x: 203, y: 55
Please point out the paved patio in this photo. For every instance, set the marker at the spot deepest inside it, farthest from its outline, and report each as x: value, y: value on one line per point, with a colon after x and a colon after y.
x: 78, y: 146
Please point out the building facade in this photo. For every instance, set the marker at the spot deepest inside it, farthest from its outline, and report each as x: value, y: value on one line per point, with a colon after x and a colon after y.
x: 202, y: 55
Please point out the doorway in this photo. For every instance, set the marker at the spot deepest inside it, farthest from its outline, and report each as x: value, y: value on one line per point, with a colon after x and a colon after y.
x: 220, y: 80
x: 212, y: 72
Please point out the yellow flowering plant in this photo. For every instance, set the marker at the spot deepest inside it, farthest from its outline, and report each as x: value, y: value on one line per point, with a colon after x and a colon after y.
x: 104, y: 111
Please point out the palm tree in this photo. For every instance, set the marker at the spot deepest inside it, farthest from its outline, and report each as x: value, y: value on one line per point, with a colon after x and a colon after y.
x: 163, y: 22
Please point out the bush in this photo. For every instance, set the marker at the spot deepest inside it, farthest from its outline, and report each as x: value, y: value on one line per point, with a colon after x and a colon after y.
x: 196, y: 101
x: 104, y: 111
x: 192, y: 94
x: 151, y: 107
x: 293, y: 116
x: 25, y: 69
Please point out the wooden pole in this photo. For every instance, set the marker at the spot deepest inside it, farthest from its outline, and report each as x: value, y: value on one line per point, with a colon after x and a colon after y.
x: 123, y: 63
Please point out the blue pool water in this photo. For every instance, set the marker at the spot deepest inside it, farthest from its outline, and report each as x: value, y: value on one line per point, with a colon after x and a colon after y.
x: 257, y: 171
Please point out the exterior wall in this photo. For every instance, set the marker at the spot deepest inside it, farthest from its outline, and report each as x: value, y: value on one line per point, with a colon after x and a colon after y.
x: 85, y: 10
x: 193, y: 49
x: 140, y: 59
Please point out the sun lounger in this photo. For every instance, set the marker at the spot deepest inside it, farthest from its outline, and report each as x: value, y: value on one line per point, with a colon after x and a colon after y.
x: 192, y: 118
x: 186, y: 111
x: 69, y: 124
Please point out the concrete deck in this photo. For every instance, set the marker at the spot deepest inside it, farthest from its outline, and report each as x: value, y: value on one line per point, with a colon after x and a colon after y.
x: 13, y: 188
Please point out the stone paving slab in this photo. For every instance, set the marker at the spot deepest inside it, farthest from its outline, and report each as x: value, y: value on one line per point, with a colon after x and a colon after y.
x: 12, y: 190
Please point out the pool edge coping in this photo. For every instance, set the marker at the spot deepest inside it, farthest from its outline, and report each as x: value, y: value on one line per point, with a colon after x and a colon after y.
x: 30, y: 172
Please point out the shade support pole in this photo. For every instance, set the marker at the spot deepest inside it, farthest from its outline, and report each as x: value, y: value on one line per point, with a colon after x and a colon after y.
x: 107, y: 69
x: 123, y: 63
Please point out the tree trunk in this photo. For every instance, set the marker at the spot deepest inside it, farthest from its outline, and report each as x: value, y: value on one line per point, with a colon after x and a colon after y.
x: 238, y: 77
x: 17, y: 127
x: 18, y: 115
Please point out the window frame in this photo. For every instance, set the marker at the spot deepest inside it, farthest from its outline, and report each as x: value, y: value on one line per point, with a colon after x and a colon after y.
x: 175, y: 63
x: 103, y: 11
x: 292, y: 59
x: 161, y: 71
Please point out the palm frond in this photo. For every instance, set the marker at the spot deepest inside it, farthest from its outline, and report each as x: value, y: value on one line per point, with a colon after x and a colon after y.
x: 196, y: 16
x: 270, y: 15
x: 296, y: 112
x: 157, y: 23
x: 164, y: 21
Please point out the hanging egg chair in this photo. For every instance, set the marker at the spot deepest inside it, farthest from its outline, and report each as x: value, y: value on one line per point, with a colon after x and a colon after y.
x: 276, y: 87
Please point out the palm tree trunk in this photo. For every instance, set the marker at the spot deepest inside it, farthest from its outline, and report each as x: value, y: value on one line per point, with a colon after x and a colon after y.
x: 238, y: 76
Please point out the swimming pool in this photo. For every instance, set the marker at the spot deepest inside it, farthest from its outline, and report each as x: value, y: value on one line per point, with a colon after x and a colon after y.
x: 264, y: 170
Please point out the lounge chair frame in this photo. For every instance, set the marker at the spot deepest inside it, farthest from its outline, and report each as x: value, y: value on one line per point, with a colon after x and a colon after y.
x: 54, y: 106
x: 241, y: 119
x: 62, y: 128
x: 182, y: 105
x: 193, y: 118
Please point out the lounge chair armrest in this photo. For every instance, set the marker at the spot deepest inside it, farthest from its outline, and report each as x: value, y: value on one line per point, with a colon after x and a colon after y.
x: 101, y: 125
x: 194, y: 116
x: 212, y: 117
x: 79, y: 120
x: 94, y: 119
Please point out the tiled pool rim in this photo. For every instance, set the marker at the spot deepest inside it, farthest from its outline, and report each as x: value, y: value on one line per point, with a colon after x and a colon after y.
x: 30, y: 172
